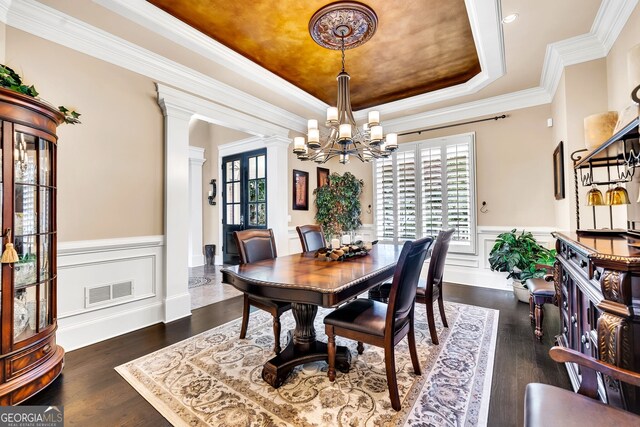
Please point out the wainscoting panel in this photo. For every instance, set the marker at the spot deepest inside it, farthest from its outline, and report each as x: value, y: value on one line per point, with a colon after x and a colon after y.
x: 103, y: 266
x: 474, y: 269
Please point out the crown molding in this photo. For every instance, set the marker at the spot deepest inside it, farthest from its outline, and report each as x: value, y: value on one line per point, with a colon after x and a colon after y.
x: 45, y: 22
x: 167, y: 26
x: 484, y: 18
x: 4, y: 9
x: 214, y: 113
x: 497, y: 104
x: 611, y: 19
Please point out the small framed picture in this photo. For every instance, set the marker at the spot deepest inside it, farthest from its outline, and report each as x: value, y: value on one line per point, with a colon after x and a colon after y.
x: 300, y: 190
x: 323, y: 177
x: 558, y: 171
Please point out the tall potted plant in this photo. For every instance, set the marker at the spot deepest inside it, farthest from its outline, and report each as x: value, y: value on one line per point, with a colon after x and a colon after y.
x: 520, y: 255
x: 338, y: 204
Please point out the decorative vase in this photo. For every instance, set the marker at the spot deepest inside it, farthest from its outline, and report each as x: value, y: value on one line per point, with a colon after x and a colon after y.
x: 520, y: 291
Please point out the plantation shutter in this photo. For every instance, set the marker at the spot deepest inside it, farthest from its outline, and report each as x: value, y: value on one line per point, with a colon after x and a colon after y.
x: 459, y: 191
x: 426, y: 187
x: 406, y: 200
x: 431, y: 191
x: 385, y: 217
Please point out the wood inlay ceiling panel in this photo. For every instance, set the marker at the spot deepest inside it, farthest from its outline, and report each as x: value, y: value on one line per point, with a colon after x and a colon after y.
x: 420, y: 45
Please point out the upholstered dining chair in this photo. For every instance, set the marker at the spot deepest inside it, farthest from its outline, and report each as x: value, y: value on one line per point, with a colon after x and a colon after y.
x: 383, y: 325
x: 255, y: 245
x: 546, y: 405
x: 311, y: 237
x: 432, y: 288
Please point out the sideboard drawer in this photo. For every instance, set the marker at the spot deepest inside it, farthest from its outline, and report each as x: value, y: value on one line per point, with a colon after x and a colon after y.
x: 23, y: 361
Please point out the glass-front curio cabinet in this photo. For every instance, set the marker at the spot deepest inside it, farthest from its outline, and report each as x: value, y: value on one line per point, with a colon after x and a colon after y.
x: 29, y: 356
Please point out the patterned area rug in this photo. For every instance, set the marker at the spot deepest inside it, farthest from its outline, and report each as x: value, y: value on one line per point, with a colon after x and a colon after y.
x: 197, y: 281
x: 214, y: 378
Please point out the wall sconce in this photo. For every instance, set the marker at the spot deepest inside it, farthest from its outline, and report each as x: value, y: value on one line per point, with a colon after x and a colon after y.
x: 213, y: 192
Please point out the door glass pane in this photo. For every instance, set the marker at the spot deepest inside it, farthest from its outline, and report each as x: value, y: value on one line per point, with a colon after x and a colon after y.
x: 24, y: 313
x: 229, y: 171
x: 45, y: 213
x: 25, y: 158
x: 24, y: 271
x: 236, y: 192
x: 236, y: 170
x: 236, y: 213
x: 25, y: 209
x: 262, y: 214
x: 44, y: 305
x: 230, y: 214
x: 262, y: 190
x: 253, y: 214
x: 252, y: 168
x: 261, y: 166
x: 253, y: 196
x: 45, y: 162
x: 45, y: 260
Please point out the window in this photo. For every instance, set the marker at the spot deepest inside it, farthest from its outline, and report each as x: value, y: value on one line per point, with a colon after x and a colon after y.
x: 425, y: 187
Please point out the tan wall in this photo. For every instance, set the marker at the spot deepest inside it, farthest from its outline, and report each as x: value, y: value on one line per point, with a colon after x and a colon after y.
x: 359, y: 169
x: 110, y: 168
x: 618, y: 83
x: 564, y: 207
x: 3, y: 39
x: 513, y: 167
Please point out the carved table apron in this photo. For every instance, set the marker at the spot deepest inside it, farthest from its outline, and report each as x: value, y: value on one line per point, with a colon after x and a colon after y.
x: 308, y: 282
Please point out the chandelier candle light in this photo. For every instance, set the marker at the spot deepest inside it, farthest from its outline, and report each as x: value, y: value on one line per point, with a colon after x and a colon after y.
x: 344, y: 25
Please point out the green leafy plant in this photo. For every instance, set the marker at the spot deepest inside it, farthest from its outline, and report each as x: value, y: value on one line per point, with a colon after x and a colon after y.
x: 519, y: 255
x: 11, y: 80
x: 338, y: 204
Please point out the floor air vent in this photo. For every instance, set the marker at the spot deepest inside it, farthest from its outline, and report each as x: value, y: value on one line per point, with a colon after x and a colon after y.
x: 105, y: 293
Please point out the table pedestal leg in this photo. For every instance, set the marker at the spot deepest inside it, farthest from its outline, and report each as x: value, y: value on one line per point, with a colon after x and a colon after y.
x: 302, y: 348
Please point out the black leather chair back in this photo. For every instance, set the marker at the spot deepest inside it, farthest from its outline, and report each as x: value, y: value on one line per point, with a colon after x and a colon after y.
x: 438, y: 256
x: 311, y: 237
x: 405, y: 279
x: 255, y: 245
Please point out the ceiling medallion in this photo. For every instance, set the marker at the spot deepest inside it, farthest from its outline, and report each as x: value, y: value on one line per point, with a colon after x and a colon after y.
x: 344, y: 25
x: 351, y: 22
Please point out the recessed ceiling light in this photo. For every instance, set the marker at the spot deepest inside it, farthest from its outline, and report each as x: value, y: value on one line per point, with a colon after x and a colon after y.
x: 509, y: 18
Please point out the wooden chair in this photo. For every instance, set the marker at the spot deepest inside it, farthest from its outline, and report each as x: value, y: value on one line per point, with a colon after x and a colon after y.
x: 311, y: 237
x: 541, y: 291
x: 546, y: 405
x: 432, y: 288
x: 380, y: 324
x: 255, y: 245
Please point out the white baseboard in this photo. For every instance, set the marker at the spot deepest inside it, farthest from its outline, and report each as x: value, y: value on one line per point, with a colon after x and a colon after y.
x: 218, y: 260
x: 73, y: 335
x: 176, y: 307
x: 197, y: 261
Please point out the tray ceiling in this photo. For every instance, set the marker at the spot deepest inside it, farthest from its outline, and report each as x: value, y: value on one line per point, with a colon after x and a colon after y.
x: 423, y: 46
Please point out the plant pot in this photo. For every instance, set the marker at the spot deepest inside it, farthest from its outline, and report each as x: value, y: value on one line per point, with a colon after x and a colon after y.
x: 521, y: 292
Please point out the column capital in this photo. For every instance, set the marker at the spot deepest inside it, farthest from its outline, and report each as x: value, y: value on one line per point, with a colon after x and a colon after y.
x: 277, y: 141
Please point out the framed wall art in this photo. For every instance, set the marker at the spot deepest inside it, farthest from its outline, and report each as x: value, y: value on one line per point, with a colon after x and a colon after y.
x: 300, y: 190
x: 323, y: 177
x: 558, y: 171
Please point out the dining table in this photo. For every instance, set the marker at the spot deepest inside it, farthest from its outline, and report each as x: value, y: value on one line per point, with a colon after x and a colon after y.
x: 308, y: 281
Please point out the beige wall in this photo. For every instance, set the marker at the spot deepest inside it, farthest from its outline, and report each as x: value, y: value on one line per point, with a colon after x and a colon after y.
x: 3, y: 38
x: 513, y: 167
x: 359, y: 169
x: 110, y: 168
x: 618, y: 84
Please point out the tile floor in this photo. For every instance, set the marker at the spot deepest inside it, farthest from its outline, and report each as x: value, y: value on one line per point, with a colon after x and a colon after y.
x: 212, y: 292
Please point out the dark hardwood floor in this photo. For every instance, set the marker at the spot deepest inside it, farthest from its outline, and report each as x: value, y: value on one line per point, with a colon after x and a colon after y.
x: 94, y: 394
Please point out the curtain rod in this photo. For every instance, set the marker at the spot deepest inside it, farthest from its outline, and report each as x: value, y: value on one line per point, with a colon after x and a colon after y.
x: 504, y: 116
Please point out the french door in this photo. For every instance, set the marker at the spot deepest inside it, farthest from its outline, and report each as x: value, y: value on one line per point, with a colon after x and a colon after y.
x: 244, y: 198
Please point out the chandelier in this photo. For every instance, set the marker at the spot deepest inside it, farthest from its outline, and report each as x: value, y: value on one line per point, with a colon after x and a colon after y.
x: 340, y: 26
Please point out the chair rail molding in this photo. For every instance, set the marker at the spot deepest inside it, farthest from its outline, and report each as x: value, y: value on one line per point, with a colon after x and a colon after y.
x: 86, y: 264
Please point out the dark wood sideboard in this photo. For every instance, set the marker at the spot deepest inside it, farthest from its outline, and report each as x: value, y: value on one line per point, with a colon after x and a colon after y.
x: 597, y: 278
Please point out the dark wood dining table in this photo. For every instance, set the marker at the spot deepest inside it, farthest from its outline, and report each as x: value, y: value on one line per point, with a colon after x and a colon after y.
x: 308, y: 282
